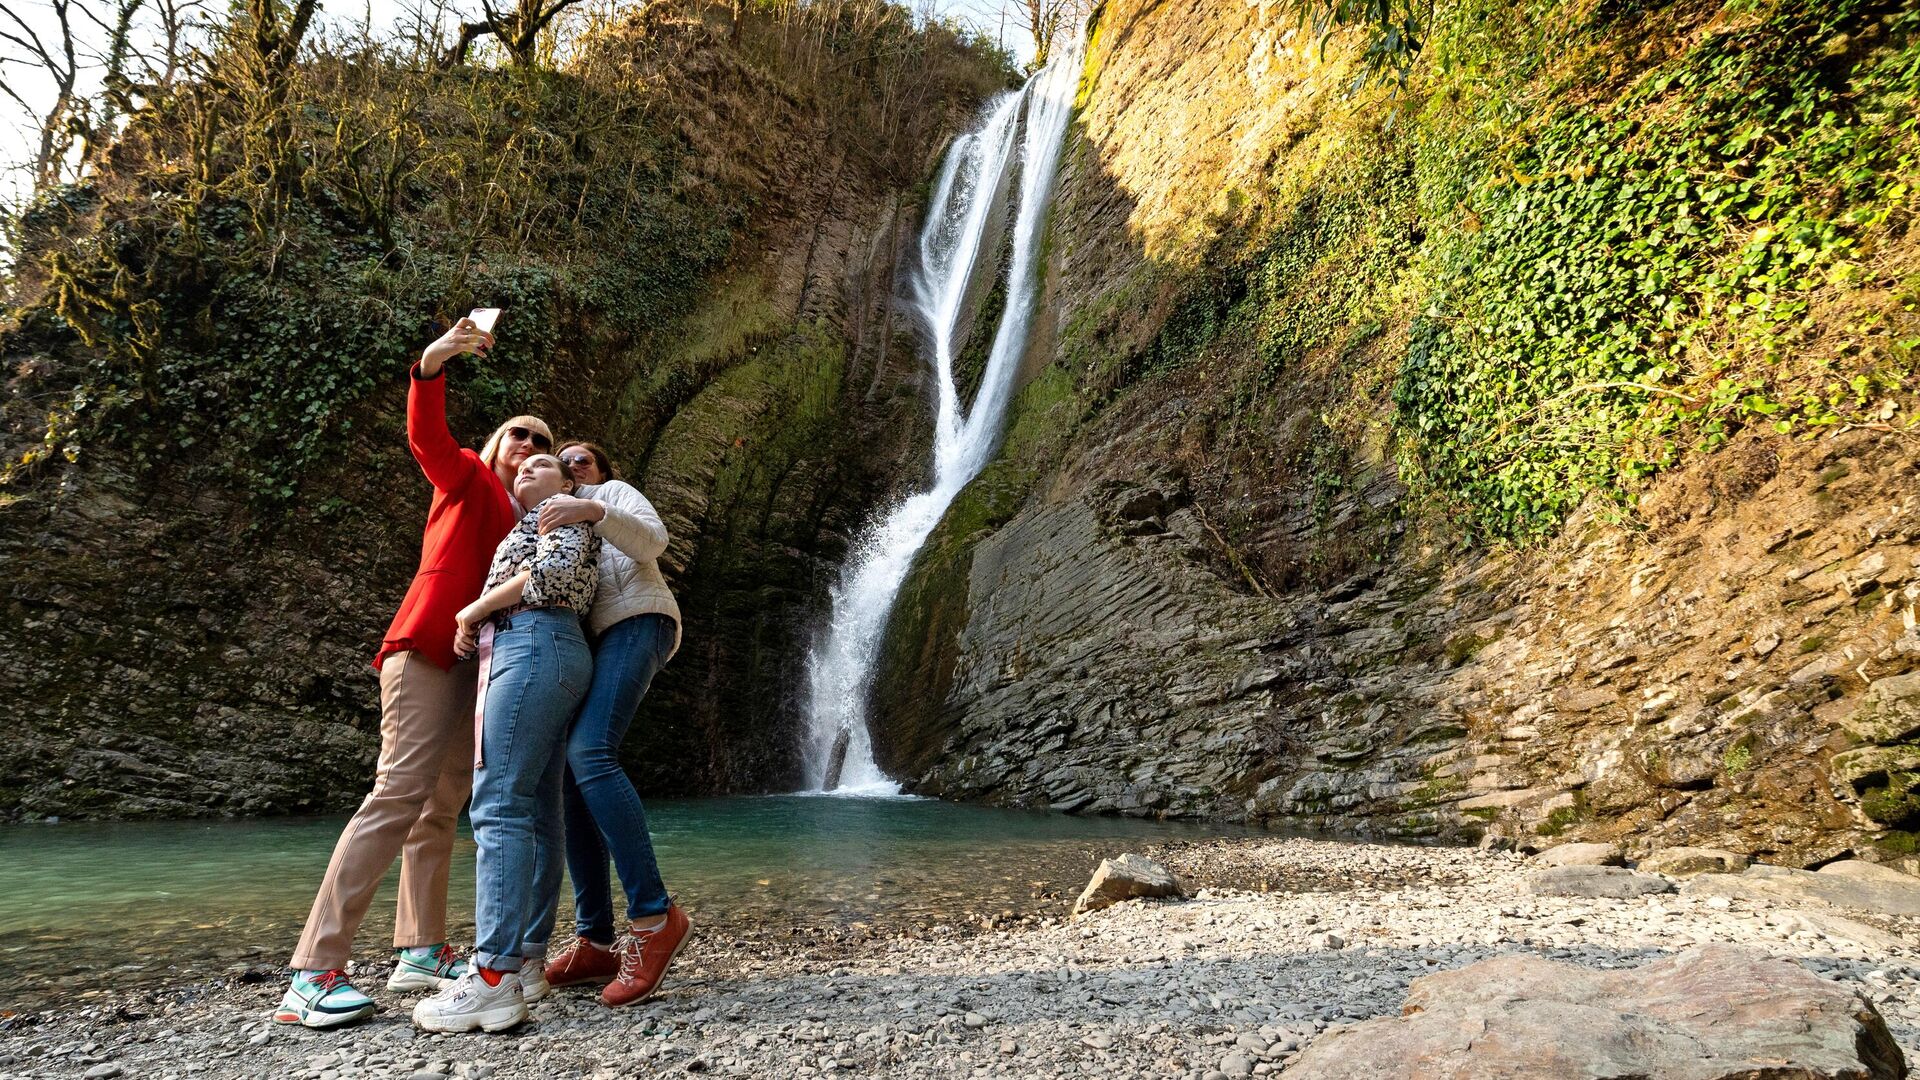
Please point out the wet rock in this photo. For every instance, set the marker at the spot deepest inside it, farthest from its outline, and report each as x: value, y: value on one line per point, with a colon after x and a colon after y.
x: 1598, y: 882
x: 1581, y: 855
x: 1713, y: 1013
x: 1128, y: 877
x: 1688, y: 861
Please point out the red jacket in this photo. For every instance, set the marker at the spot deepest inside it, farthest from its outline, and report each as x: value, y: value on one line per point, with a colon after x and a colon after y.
x: 471, y: 513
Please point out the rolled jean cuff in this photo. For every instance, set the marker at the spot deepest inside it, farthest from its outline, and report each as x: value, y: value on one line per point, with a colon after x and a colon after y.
x: 650, y: 908
x: 498, y: 963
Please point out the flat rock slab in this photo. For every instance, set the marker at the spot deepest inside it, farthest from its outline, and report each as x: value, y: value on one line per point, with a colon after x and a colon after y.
x: 1852, y: 884
x: 1599, y: 882
x: 1126, y: 878
x: 1580, y: 855
x: 1712, y: 1013
x: 1688, y: 861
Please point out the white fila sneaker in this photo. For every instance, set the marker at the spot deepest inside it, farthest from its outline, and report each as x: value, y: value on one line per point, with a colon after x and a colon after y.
x: 470, y: 1004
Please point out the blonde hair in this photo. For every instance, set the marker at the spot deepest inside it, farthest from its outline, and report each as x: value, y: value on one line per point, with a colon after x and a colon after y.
x: 490, y: 453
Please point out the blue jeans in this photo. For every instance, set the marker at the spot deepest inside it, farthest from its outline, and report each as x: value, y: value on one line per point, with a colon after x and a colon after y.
x: 541, y: 669
x: 603, y: 810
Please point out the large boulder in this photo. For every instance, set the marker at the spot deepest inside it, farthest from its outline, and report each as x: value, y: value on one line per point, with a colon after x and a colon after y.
x: 1852, y: 884
x: 1596, y: 882
x: 1688, y: 861
x: 1713, y: 1013
x: 1581, y: 855
x: 1126, y: 878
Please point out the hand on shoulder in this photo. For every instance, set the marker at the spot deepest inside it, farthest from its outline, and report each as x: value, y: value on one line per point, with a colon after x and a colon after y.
x: 563, y: 510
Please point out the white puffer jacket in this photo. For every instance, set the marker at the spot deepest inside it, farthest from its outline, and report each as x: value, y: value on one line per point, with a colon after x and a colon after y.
x: 630, y: 581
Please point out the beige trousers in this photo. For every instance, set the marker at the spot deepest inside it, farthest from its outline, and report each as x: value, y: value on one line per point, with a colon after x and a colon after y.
x: 425, y: 772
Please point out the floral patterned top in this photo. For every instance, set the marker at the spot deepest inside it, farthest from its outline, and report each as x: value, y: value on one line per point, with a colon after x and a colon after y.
x: 564, y: 565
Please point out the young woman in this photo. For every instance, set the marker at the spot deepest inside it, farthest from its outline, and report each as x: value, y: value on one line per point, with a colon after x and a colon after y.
x: 534, y: 669
x: 426, y: 713
x: 636, y: 628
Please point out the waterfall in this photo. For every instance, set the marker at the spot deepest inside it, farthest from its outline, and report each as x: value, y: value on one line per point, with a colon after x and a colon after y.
x: 973, y: 182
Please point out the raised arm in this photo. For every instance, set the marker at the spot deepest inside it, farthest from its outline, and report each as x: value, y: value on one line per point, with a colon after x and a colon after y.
x: 428, y: 436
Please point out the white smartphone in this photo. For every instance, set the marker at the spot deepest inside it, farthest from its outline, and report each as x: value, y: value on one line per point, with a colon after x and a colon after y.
x: 484, y: 317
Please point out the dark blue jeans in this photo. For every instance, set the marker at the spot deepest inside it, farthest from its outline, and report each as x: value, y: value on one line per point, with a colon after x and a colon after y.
x: 603, y: 811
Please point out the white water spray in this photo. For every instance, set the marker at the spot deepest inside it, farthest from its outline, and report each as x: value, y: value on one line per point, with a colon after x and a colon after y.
x: 839, y: 754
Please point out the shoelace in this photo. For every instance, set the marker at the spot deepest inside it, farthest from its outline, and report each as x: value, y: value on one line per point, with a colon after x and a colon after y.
x: 631, y: 947
x: 565, y: 956
x: 327, y: 980
x: 443, y: 957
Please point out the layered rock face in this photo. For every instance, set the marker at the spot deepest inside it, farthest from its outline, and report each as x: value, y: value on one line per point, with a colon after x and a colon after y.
x: 1185, y: 606
x: 1690, y: 686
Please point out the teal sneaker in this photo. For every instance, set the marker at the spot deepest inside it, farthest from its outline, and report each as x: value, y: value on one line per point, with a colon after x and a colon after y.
x: 428, y: 967
x: 323, y: 999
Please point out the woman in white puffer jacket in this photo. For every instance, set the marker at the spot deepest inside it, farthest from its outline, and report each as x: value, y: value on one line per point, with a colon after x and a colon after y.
x: 635, y: 628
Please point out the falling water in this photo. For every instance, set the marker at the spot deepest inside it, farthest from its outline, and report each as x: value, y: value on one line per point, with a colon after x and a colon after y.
x: 972, y: 182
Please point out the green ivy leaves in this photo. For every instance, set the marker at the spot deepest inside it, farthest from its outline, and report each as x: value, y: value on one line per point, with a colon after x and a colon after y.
x: 1625, y: 255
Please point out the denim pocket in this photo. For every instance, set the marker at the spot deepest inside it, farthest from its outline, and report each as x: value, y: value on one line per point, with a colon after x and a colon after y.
x: 572, y: 662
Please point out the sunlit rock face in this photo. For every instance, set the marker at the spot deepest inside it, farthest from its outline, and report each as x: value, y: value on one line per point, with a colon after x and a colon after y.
x: 1171, y: 598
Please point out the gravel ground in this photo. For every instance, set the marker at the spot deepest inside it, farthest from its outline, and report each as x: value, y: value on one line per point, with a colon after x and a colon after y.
x: 1231, y: 982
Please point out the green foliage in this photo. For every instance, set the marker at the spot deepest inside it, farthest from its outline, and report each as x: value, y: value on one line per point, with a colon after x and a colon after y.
x: 1562, y: 818
x: 1898, y: 842
x: 197, y: 307
x: 1586, y: 328
x: 1739, y: 757
x: 1897, y: 804
x: 1395, y: 32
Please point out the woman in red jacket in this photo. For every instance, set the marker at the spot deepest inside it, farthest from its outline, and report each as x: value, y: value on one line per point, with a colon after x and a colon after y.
x: 426, y: 712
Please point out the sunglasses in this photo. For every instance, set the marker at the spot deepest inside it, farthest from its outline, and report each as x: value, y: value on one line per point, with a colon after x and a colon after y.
x: 540, y: 442
x: 576, y: 459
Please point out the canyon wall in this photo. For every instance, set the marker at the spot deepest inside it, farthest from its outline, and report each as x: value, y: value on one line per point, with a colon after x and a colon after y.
x: 1216, y: 574
x: 178, y: 644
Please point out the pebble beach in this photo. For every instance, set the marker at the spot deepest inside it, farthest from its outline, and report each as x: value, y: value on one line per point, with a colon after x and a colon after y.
x: 1280, y: 942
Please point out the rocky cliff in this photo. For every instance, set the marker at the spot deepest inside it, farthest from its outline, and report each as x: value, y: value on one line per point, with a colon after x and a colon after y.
x: 700, y: 280
x: 1402, y: 464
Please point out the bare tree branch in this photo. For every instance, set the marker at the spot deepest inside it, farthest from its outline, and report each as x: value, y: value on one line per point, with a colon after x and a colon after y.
x: 518, y: 31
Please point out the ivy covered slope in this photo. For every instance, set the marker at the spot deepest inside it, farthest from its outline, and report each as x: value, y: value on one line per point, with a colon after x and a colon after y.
x: 208, y: 510
x: 1529, y: 448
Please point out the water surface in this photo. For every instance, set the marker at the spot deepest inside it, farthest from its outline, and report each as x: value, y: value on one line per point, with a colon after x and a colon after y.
x: 86, y: 905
